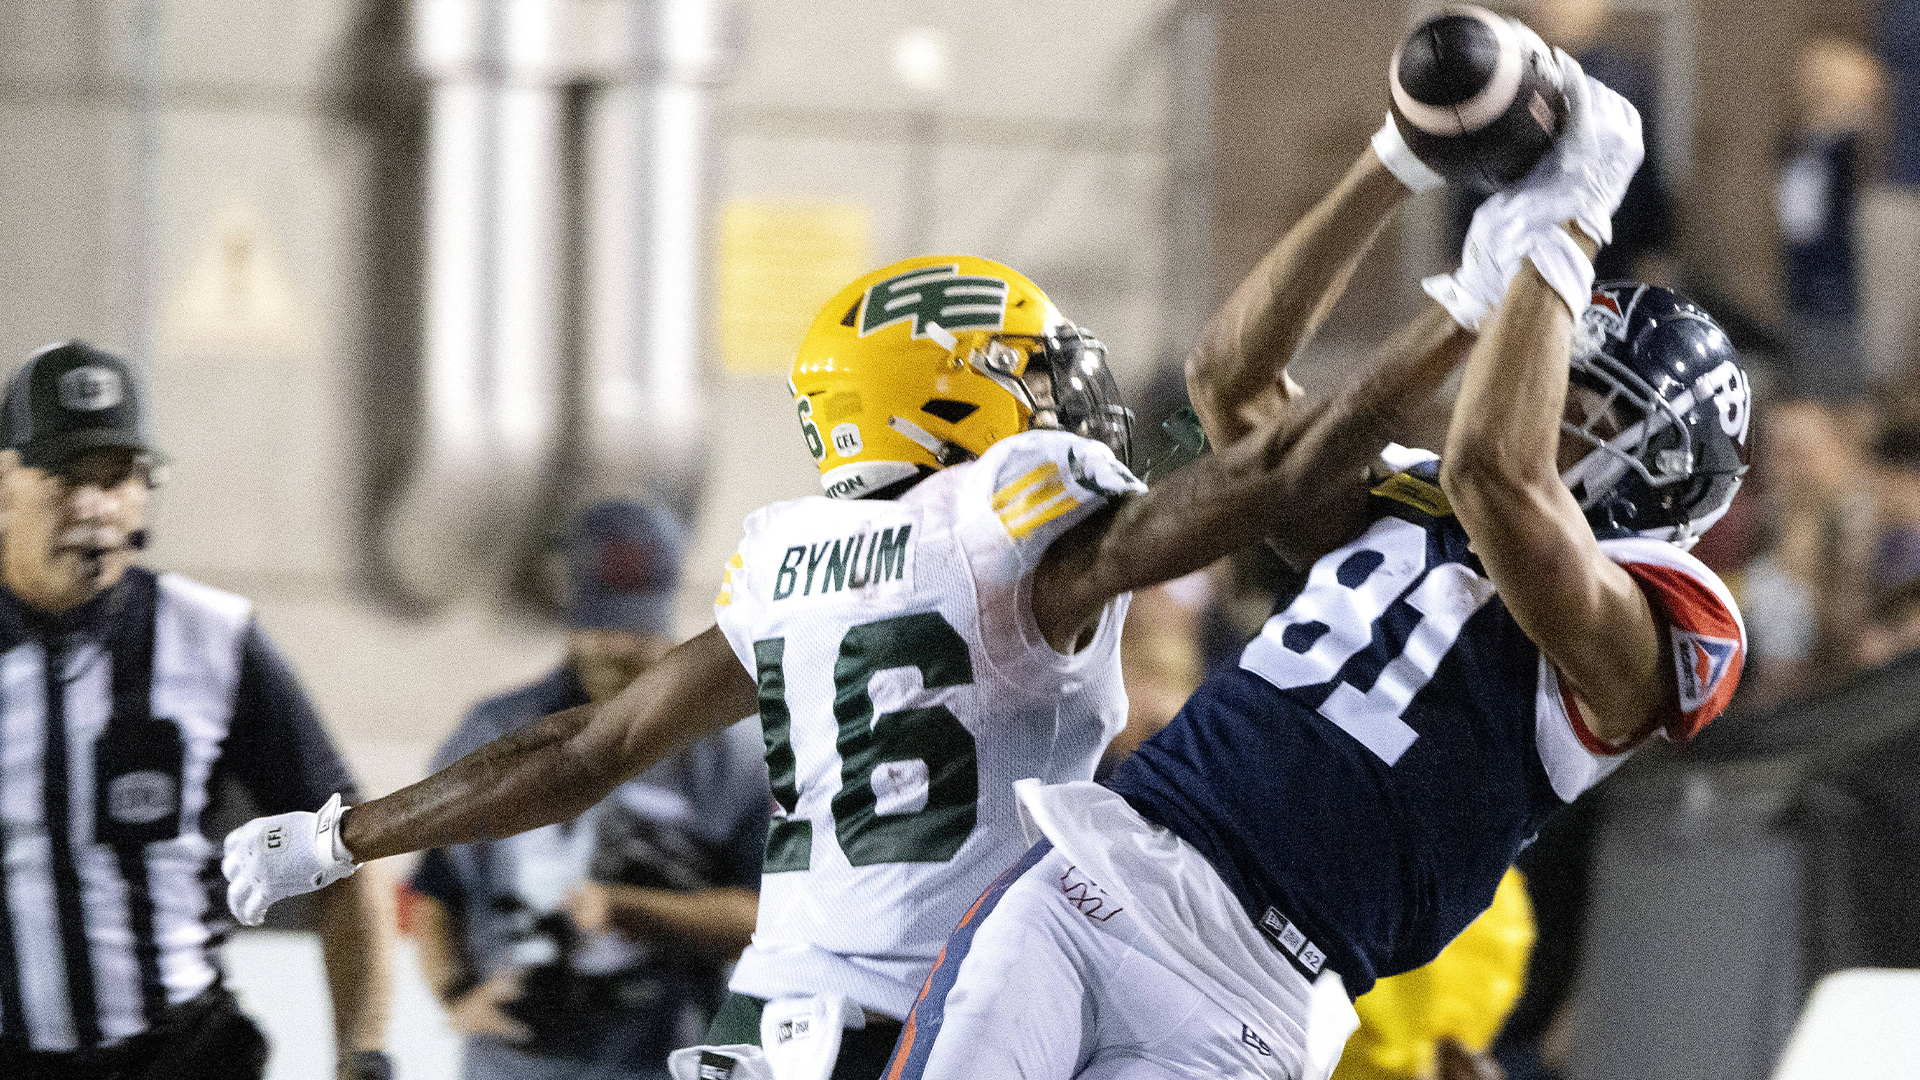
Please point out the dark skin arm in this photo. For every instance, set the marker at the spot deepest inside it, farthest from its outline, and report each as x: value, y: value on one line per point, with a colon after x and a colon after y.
x: 1501, y: 473
x: 556, y: 769
x: 1278, y: 453
x: 1281, y: 480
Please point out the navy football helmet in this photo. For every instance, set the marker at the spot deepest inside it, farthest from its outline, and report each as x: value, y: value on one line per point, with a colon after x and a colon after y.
x: 1658, y: 393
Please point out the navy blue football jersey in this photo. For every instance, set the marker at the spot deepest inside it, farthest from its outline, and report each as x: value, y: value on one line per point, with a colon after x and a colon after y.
x: 1392, y: 739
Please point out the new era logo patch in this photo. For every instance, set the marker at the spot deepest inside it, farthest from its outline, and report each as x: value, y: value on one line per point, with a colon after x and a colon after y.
x: 1292, y: 941
x: 1701, y: 663
x: 790, y: 1030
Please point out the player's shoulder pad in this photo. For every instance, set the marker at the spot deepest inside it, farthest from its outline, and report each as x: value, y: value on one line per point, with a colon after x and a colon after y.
x: 1039, y: 484
x: 1701, y: 619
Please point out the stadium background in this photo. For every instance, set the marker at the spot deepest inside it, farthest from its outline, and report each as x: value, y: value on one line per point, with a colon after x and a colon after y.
x: 414, y: 279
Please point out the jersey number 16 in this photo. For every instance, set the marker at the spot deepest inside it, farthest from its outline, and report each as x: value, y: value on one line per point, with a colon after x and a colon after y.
x: 908, y: 778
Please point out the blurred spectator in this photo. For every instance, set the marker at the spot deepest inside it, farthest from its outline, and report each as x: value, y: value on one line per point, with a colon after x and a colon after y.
x: 1642, y: 247
x: 1894, y: 628
x: 550, y: 975
x: 1899, y: 47
x: 1806, y: 596
x: 1458, y: 1000
x: 132, y: 699
x: 1838, y: 90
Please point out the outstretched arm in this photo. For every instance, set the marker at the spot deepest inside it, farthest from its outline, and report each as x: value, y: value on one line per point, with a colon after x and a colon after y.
x: 1500, y: 473
x: 1236, y: 375
x: 555, y: 769
x: 1296, y: 479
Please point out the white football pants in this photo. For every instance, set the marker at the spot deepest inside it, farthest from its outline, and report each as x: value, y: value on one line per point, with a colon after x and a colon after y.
x: 1042, y: 980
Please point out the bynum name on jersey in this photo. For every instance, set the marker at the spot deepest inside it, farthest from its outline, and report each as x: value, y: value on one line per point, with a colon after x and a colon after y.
x: 841, y: 564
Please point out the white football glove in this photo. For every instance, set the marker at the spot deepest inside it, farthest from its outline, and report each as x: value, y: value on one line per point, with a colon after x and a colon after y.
x: 271, y: 858
x: 1506, y: 232
x: 1585, y: 175
x: 1582, y: 180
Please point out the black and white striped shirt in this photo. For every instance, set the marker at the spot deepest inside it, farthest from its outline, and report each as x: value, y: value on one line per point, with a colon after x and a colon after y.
x: 118, y: 722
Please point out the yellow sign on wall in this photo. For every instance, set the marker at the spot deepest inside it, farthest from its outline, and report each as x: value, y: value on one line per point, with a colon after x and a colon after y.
x: 778, y: 263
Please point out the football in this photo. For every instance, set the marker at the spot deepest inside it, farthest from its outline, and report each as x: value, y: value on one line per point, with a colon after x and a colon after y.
x: 1473, y: 99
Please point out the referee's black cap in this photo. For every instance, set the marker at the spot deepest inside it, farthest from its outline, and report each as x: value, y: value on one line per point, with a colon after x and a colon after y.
x: 68, y: 399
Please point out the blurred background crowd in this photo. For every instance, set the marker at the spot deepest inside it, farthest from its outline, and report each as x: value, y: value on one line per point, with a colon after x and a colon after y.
x: 414, y: 283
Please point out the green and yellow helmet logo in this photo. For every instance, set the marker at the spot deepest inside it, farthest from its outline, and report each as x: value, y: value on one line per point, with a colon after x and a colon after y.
x: 875, y: 402
x: 935, y: 294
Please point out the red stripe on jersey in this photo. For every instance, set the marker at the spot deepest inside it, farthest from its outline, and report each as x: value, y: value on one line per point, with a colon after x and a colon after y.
x: 1708, y: 646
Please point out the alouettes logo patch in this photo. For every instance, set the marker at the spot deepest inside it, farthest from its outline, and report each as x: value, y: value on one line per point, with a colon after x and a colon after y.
x: 1608, y: 312
x: 1701, y: 662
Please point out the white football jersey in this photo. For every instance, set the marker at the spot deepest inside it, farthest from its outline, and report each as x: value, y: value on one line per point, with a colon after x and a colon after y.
x: 904, y: 687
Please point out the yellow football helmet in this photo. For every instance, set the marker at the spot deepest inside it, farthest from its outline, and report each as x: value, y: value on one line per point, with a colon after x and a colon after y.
x: 927, y: 362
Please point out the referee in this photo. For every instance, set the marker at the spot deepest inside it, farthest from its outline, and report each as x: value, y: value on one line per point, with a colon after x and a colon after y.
x: 126, y: 697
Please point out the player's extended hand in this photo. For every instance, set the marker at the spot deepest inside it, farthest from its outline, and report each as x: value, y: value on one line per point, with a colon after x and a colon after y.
x: 1585, y: 176
x: 590, y: 907
x: 1582, y: 181
x: 271, y: 858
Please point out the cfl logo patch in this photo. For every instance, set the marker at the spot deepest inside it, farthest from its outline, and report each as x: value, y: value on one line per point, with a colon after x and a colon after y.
x: 275, y: 838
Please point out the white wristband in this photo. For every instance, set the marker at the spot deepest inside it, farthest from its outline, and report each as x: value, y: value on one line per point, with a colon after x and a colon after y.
x: 329, y: 823
x: 1564, y: 266
x: 1393, y: 152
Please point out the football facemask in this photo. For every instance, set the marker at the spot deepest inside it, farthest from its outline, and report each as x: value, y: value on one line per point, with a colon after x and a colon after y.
x: 1063, y: 379
x: 1657, y: 393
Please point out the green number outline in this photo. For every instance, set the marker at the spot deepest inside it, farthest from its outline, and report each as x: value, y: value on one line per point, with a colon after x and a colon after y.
x: 812, y: 434
x: 789, y: 839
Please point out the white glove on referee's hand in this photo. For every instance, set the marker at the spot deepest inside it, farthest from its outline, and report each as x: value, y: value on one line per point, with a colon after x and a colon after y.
x: 271, y: 858
x: 1581, y: 180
